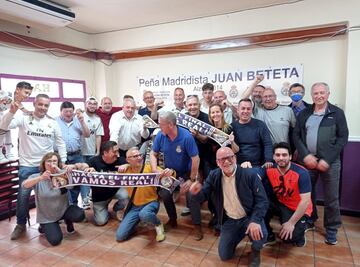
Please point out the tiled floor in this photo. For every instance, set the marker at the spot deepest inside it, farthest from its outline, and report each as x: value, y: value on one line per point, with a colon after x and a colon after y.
x: 96, y: 246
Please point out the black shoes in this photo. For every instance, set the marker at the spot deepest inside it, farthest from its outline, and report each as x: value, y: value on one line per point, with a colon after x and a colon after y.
x: 254, y: 258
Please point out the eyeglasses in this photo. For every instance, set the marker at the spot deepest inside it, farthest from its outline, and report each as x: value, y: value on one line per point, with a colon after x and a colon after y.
x: 229, y: 158
x: 135, y: 156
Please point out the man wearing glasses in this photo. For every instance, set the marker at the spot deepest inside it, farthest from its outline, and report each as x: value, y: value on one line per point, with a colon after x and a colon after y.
x: 290, y: 197
x: 240, y: 203
x: 144, y: 203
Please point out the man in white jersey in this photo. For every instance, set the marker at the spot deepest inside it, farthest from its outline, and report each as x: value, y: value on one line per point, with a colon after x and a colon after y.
x: 37, y: 135
x: 91, y: 145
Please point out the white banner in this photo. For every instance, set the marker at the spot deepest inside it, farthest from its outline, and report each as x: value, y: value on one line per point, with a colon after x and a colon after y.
x: 233, y: 82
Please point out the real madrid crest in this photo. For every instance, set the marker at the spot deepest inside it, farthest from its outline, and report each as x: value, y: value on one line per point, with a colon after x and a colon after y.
x: 166, y: 182
x: 233, y: 93
x: 178, y: 149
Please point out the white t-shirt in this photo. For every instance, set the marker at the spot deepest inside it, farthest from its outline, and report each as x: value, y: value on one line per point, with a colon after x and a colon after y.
x: 37, y: 136
x: 96, y: 129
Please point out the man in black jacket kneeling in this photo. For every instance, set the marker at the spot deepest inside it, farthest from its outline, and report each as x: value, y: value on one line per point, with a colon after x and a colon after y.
x: 240, y: 203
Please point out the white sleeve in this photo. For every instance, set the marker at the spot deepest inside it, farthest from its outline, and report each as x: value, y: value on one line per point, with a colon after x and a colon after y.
x: 10, y: 121
x: 59, y: 142
x: 114, y: 127
x: 99, y: 129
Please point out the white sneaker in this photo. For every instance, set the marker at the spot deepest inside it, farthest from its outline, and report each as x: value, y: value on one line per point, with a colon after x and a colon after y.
x: 160, y: 233
x: 3, y: 159
x: 185, y: 212
x: 86, y: 204
x: 11, y: 157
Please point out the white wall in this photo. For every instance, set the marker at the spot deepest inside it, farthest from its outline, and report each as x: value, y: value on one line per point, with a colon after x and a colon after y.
x: 20, y: 62
x: 335, y: 61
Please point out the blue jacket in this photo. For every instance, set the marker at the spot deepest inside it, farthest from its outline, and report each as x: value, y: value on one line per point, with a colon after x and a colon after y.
x: 249, y: 189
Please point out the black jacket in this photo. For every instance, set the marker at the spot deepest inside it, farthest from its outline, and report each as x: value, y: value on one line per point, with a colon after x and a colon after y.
x: 333, y: 133
x: 249, y: 189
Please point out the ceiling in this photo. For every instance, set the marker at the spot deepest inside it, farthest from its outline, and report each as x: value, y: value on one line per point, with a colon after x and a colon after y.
x: 98, y: 16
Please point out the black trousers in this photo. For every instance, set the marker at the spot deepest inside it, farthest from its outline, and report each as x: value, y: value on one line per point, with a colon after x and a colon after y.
x: 278, y: 209
x: 53, y: 231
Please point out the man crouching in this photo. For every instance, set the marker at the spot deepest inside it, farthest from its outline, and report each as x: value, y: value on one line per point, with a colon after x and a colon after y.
x: 144, y: 204
x: 241, y: 205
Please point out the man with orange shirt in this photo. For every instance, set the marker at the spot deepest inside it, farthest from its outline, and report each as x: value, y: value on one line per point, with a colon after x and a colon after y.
x: 290, y: 197
x: 144, y: 200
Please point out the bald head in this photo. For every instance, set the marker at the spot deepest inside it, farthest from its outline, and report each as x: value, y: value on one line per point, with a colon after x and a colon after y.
x: 223, y: 151
x: 226, y: 160
x: 106, y: 104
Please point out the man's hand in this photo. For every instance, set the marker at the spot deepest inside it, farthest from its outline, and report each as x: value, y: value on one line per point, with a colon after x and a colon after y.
x: 122, y: 168
x: 90, y: 169
x: 254, y: 231
x: 286, y: 231
x: 79, y: 115
x: 268, y: 164
x: 259, y: 78
x: 246, y: 164
x: 166, y: 173
x: 322, y: 166
x: 195, y: 188
x: 186, y: 186
x: 310, y: 161
x: 193, y: 132
x: 13, y: 107
x: 69, y: 167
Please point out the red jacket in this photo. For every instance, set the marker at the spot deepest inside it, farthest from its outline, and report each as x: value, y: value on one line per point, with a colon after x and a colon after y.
x: 105, y: 119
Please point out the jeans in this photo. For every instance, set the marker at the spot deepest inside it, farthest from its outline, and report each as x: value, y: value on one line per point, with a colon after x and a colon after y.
x: 146, y: 213
x: 101, y: 213
x: 330, y: 180
x: 232, y: 232
x: 84, y: 190
x: 22, y: 202
x: 53, y: 231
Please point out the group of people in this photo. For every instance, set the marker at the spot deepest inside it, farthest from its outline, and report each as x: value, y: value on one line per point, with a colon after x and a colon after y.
x: 270, y: 167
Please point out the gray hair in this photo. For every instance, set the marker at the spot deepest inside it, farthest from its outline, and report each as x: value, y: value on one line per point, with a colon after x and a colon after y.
x: 325, y: 85
x: 132, y: 149
x: 132, y: 101
x: 168, y: 116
